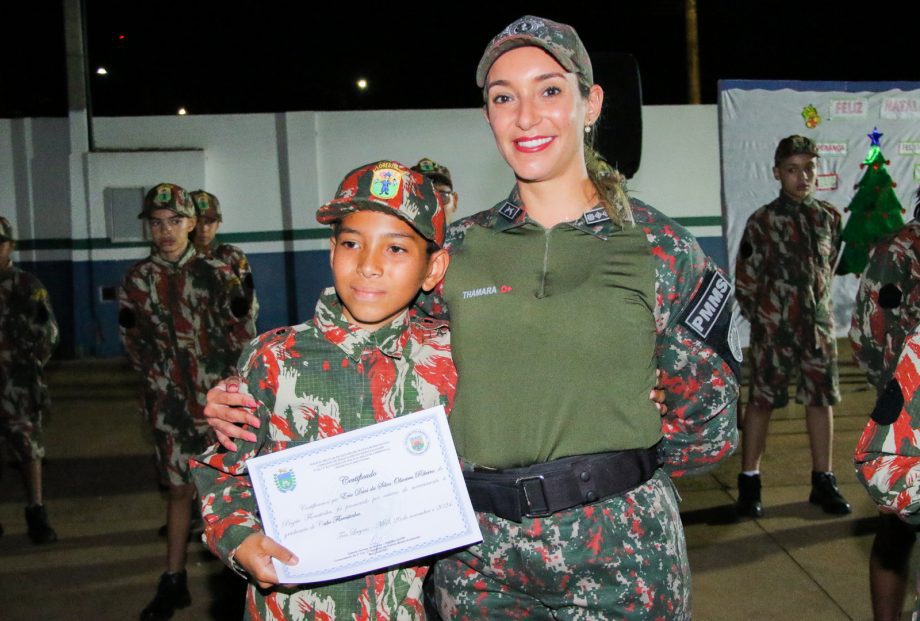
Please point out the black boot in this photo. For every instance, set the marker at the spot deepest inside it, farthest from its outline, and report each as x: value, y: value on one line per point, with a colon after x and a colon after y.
x: 749, y: 504
x: 824, y: 492
x: 172, y: 593
x: 40, y: 530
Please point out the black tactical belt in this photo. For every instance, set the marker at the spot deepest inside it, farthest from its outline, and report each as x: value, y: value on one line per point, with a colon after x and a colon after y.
x: 544, y: 489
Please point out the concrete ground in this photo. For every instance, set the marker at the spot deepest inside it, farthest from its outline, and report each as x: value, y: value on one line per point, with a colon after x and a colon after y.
x: 794, y: 563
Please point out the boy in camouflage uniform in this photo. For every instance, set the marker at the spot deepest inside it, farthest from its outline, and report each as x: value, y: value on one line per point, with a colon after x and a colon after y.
x: 205, y: 240
x: 443, y: 184
x: 183, y: 321
x: 888, y: 465
x: 28, y: 335
x: 887, y: 311
x: 363, y: 358
x: 783, y: 285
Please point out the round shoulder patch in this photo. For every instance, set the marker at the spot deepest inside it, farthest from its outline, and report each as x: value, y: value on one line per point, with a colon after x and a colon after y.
x: 734, y: 339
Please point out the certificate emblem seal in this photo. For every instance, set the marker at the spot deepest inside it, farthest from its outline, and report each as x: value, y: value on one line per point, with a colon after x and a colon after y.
x: 285, y: 481
x: 417, y: 442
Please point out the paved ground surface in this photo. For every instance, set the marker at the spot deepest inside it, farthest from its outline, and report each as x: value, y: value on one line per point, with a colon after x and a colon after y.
x: 795, y: 563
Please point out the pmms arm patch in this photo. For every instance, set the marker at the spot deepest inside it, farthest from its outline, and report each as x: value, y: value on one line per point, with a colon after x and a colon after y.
x: 709, y: 315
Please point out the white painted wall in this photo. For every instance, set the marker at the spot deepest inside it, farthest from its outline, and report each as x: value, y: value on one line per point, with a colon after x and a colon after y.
x: 680, y: 166
x: 271, y: 171
x: 128, y: 169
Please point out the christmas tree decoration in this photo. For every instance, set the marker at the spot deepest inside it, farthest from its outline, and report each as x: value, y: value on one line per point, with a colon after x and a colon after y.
x: 874, y: 212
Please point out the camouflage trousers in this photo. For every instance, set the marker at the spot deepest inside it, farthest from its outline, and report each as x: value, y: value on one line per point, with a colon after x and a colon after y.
x: 179, y: 431
x: 621, y: 558
x: 390, y: 595
x: 22, y: 406
x: 174, y: 450
x: 775, y: 362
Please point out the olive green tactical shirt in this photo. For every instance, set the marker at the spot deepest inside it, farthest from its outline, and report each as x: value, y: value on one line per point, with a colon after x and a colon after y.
x: 529, y: 391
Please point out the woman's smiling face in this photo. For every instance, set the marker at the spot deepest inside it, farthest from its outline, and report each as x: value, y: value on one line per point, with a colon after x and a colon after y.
x: 538, y: 114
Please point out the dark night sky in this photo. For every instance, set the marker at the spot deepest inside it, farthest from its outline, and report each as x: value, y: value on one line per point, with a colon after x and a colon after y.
x: 249, y: 56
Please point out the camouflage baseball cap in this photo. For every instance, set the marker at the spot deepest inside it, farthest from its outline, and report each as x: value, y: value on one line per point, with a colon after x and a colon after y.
x: 168, y: 196
x: 6, y: 230
x: 794, y: 145
x: 206, y: 204
x: 389, y: 187
x: 558, y: 40
x: 434, y: 171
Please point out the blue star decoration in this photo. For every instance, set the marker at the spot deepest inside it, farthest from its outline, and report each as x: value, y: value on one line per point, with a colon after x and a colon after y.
x: 875, y: 136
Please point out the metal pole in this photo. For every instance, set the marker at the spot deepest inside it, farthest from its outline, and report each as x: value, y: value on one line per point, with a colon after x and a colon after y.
x: 79, y: 99
x: 693, y: 54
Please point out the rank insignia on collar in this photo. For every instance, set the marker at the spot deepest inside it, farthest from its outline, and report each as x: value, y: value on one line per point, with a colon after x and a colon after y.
x: 596, y: 216
x: 509, y: 210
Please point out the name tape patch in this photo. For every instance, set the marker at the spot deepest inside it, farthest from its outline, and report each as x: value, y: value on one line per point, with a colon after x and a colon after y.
x: 708, y: 304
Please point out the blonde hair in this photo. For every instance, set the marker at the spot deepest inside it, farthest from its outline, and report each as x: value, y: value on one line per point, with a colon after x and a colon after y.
x: 606, y: 179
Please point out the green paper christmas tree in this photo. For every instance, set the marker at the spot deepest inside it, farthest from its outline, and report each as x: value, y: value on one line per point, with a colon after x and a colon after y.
x: 874, y: 212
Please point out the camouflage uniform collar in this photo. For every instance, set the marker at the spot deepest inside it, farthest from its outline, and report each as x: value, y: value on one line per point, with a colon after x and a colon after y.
x: 511, y: 213
x: 785, y: 199
x: 211, y: 248
x: 188, y: 255
x: 355, y: 340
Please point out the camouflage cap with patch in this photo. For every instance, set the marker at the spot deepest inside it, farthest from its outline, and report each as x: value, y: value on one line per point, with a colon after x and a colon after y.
x: 206, y: 204
x: 6, y: 230
x: 168, y: 196
x: 794, y: 145
x: 434, y: 171
x: 558, y: 40
x: 389, y: 187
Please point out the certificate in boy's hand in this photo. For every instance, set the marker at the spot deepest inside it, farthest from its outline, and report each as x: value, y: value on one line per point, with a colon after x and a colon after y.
x: 367, y: 499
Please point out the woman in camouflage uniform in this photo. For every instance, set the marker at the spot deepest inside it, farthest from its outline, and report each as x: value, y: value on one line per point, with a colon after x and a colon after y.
x: 564, y: 300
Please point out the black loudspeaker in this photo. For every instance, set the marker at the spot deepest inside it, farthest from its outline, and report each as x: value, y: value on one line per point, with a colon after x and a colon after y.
x: 619, y: 134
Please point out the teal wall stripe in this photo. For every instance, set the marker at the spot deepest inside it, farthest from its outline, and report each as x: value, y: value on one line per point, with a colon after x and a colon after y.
x: 104, y: 243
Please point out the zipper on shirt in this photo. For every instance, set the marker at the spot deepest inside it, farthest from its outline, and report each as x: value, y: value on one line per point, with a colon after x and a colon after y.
x: 541, y: 290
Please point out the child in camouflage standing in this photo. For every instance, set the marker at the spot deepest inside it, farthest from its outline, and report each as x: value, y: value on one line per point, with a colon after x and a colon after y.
x: 183, y: 320
x: 443, y: 183
x: 205, y: 240
x: 28, y: 334
x: 887, y: 311
x: 363, y: 358
x: 783, y: 285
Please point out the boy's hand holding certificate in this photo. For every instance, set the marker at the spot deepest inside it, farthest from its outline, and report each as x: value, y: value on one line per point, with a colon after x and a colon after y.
x: 367, y: 499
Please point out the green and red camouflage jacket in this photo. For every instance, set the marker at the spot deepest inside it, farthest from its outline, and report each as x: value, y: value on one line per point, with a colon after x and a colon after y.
x: 183, y: 326
x: 887, y: 304
x: 785, y: 268
x: 312, y: 381
x: 28, y: 335
x: 888, y: 452
x: 885, y: 334
x: 239, y: 262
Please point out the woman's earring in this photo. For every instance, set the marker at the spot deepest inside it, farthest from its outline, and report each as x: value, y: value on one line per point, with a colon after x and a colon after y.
x: 587, y: 129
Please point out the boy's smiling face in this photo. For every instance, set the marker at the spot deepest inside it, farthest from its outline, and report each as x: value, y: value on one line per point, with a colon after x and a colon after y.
x: 379, y: 263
